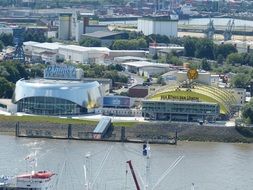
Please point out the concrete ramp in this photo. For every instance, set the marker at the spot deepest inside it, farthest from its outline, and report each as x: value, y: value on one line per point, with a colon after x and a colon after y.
x: 102, y: 128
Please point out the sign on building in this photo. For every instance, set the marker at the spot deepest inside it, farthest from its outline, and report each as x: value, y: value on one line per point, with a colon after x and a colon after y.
x: 65, y: 72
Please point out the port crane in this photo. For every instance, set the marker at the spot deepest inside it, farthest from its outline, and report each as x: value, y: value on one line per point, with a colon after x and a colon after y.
x: 228, y: 31
x: 209, y: 32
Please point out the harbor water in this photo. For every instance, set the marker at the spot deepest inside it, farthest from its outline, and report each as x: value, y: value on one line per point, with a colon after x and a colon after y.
x: 210, y: 166
x: 194, y: 21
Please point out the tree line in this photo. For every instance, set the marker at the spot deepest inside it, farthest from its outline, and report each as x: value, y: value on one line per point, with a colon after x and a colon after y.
x: 11, y: 72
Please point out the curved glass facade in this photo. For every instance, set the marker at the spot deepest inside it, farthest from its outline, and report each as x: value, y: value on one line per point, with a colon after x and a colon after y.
x: 49, y: 106
x: 56, y: 97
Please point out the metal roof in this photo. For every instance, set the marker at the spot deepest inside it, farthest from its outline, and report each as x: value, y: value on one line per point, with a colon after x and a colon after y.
x: 84, y: 49
x: 140, y: 64
x: 101, y: 34
x: 102, y: 125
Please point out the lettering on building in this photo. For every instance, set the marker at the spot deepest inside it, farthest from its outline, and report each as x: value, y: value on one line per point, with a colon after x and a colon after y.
x: 181, y: 98
x: 60, y: 72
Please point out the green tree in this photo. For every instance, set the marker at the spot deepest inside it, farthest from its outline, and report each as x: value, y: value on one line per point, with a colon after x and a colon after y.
x: 174, y: 60
x: 234, y: 58
x: 240, y: 80
x: 220, y: 59
x: 204, y: 49
x: 224, y: 50
x: 155, y: 57
x: 129, y: 44
x: 1, y: 45
x: 6, y: 88
x: 36, y: 71
x: 90, y: 42
x: 205, y: 65
x: 35, y: 35
x: 247, y: 112
x: 7, y: 39
x: 189, y: 47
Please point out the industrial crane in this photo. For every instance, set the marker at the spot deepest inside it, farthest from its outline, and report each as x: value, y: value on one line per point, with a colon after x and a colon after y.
x: 133, y: 174
x: 209, y: 32
x: 228, y: 31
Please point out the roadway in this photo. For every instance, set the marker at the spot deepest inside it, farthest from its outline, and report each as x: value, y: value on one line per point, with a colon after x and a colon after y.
x: 134, y: 79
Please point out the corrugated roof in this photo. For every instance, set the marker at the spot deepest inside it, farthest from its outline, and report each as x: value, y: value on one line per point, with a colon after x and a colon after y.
x: 102, y: 125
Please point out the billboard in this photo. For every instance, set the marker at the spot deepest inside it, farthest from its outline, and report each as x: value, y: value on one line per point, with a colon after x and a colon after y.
x: 116, y: 101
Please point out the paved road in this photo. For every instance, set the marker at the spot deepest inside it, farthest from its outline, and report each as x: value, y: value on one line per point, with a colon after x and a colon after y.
x: 135, y: 80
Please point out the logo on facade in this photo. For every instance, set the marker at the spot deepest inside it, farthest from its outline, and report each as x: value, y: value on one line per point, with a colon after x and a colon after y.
x: 60, y: 72
x: 192, y: 74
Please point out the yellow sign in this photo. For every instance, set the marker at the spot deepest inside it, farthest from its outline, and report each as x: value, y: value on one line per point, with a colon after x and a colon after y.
x: 192, y: 74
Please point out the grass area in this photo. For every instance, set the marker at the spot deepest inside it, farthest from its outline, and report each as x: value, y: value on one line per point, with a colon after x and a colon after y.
x: 125, y: 124
x: 44, y: 119
x: 56, y: 120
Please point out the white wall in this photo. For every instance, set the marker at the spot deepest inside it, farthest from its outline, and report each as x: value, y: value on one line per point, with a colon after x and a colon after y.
x: 168, y: 28
x: 89, y: 56
x: 73, y: 56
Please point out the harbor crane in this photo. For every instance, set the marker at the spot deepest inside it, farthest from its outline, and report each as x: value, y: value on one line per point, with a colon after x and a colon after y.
x: 209, y: 32
x: 228, y: 31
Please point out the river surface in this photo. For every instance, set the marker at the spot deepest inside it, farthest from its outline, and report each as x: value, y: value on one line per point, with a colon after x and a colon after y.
x: 194, y: 21
x: 210, y: 166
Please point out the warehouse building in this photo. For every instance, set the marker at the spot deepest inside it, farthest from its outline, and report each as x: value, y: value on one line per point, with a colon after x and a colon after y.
x: 87, y: 55
x: 36, y: 52
x: 145, y: 68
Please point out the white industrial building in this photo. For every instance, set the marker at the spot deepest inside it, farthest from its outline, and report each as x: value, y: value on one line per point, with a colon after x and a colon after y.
x: 49, y: 52
x: 146, y: 68
x: 79, y: 54
x: 41, y: 52
x: 163, y: 25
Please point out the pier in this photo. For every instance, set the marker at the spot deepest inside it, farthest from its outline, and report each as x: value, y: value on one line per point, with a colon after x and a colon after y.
x: 109, y: 134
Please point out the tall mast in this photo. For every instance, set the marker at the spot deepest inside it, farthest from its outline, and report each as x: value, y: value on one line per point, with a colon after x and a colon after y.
x: 133, y: 174
x: 87, y: 171
x: 147, y: 166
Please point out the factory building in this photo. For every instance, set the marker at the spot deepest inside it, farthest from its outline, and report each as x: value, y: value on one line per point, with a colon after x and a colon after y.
x: 79, y: 54
x: 163, y: 25
x: 36, y: 52
x: 145, y: 68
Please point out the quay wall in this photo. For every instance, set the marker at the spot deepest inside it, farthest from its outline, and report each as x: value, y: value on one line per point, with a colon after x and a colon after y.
x: 142, y: 131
